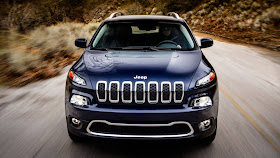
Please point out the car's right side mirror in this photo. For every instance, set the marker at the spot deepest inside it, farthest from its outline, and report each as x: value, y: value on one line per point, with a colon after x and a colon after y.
x: 81, y: 42
x: 206, y: 42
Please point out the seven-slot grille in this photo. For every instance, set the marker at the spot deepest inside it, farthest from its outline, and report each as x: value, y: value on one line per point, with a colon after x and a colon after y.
x: 156, y: 92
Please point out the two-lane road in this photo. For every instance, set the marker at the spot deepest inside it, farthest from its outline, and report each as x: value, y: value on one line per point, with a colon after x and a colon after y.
x: 32, y: 118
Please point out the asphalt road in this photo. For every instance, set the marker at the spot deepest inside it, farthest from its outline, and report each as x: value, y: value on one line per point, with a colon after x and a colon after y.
x: 32, y: 118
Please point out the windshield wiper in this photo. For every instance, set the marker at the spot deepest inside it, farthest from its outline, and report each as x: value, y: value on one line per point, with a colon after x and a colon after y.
x: 150, y: 48
x: 180, y: 49
x: 104, y: 49
x: 170, y: 48
x: 116, y: 48
x: 141, y: 48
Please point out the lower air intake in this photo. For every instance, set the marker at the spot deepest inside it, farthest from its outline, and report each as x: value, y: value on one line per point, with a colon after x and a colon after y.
x: 100, y: 127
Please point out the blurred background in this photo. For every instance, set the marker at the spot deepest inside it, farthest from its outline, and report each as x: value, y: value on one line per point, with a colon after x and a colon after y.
x: 36, y: 36
x: 37, y: 49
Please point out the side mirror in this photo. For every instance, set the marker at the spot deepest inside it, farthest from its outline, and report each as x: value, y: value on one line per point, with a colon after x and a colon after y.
x: 206, y: 42
x: 81, y: 42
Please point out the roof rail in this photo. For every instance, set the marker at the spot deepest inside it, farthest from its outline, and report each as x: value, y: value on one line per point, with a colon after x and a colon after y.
x: 175, y: 15
x: 115, y: 14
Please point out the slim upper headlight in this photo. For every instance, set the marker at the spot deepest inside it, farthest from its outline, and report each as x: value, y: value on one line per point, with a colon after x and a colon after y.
x: 76, y: 78
x: 206, y: 79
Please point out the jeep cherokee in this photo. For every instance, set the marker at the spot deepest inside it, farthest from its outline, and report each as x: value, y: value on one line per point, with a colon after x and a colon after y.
x: 142, y: 77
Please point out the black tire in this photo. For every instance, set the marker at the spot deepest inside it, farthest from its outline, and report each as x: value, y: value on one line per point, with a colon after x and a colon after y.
x: 208, y: 140
x: 74, y: 137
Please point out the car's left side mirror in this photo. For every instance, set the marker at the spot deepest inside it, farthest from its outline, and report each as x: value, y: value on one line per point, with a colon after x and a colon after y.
x: 81, y: 42
x: 206, y: 42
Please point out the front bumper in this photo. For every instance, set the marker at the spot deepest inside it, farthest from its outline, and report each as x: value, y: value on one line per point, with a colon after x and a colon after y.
x: 143, y: 116
x: 192, y: 117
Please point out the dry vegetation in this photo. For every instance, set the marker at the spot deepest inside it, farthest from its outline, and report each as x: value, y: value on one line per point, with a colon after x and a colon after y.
x: 255, y: 22
x: 41, y: 53
x: 37, y: 36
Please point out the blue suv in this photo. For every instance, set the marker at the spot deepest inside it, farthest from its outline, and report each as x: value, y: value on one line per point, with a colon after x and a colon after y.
x: 142, y: 77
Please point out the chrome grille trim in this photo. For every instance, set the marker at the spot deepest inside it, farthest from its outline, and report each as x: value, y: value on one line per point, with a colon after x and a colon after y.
x: 140, y: 125
x: 149, y: 95
x: 143, y: 92
x: 175, y: 92
x: 105, y: 88
x: 110, y: 92
x: 170, y: 96
x: 159, y: 96
x: 130, y: 92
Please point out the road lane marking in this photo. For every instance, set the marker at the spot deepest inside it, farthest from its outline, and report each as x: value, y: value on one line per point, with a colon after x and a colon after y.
x: 251, y: 120
x: 259, y: 116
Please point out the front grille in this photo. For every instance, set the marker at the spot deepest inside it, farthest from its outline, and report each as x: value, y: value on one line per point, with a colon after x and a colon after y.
x: 153, y: 92
x: 114, y: 92
x: 178, y: 92
x: 127, y: 92
x: 139, y: 92
x: 101, y: 92
x: 165, y: 92
x: 156, y: 92
x: 107, y: 128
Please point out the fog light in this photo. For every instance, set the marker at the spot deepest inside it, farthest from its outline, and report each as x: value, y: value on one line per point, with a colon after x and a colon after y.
x: 201, y: 102
x: 76, y: 122
x: 204, y: 125
x: 79, y: 100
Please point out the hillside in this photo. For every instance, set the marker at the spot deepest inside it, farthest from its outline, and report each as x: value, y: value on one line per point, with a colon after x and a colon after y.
x: 36, y: 38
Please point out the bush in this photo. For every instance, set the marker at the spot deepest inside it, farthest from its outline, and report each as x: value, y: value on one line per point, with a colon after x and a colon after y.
x: 202, y: 12
x: 42, y: 53
x: 241, y: 25
x: 143, y: 3
x: 271, y: 15
x: 24, y: 17
x: 60, y: 37
x: 134, y: 9
x: 21, y: 61
x: 257, y: 23
x: 181, y: 5
x: 27, y: 15
x: 255, y: 5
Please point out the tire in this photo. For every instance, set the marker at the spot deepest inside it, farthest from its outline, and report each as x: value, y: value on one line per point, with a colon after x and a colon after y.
x: 74, y: 137
x: 208, y: 140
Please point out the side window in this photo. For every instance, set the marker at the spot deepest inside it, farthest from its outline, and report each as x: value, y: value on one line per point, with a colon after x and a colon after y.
x: 97, y: 40
x: 189, y: 41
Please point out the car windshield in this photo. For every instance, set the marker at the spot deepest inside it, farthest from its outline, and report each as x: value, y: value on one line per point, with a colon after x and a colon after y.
x: 143, y: 35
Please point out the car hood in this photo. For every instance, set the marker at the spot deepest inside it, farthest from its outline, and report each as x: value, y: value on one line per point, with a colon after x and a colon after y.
x: 156, y: 65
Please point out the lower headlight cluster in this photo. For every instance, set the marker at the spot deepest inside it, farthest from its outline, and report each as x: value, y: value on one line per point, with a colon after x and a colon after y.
x: 201, y: 102
x: 76, y: 122
x: 204, y: 125
x: 79, y: 100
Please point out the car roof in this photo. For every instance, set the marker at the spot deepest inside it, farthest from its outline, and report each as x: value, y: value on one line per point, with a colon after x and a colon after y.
x: 143, y: 17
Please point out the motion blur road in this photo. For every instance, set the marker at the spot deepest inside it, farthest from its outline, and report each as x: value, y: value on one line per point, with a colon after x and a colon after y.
x: 32, y: 118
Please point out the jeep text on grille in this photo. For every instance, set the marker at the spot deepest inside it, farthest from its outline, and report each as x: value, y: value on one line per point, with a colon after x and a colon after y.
x: 140, y: 77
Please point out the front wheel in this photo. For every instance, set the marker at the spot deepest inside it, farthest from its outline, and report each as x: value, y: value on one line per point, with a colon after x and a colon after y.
x: 209, y: 139
x: 74, y: 137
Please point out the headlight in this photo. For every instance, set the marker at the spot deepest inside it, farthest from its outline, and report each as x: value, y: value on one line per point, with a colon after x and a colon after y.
x: 76, y: 78
x: 201, y: 102
x: 206, y: 79
x: 79, y: 100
